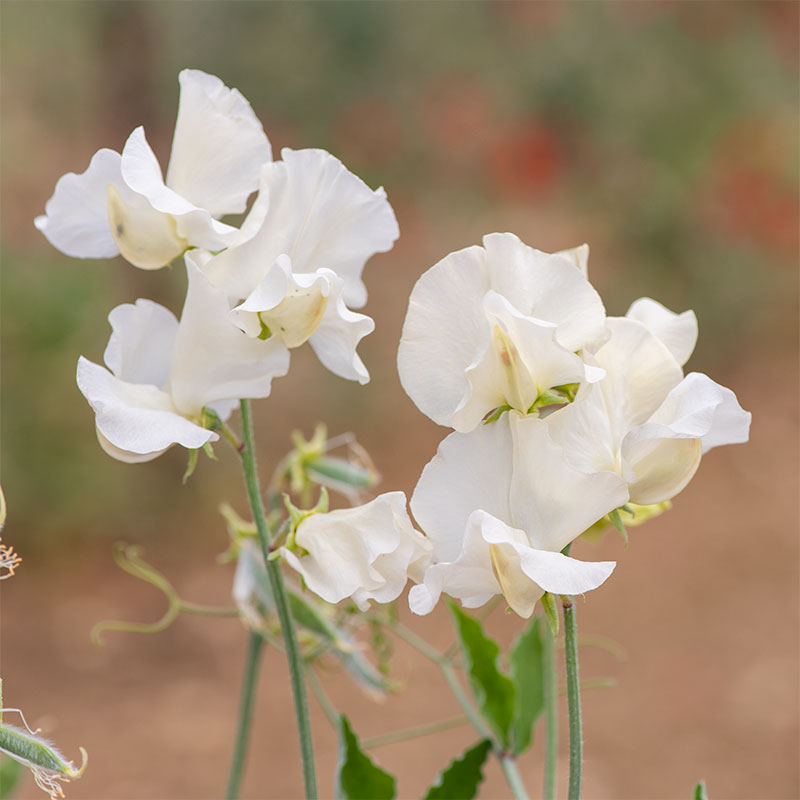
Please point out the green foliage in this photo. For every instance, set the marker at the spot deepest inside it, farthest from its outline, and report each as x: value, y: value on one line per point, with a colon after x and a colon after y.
x: 10, y: 774
x: 550, y: 611
x: 463, y: 776
x: 527, y: 674
x: 493, y: 691
x: 358, y: 777
x: 617, y: 522
x: 700, y: 791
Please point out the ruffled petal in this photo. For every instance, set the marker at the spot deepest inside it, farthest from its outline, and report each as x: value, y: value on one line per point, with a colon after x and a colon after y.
x: 140, y: 346
x: 469, y: 471
x: 218, y: 147
x: 194, y: 226
x: 213, y: 360
x: 362, y: 552
x: 338, y: 334
x: 318, y: 213
x: 136, y: 418
x: 76, y: 216
x: 579, y: 256
x: 677, y: 331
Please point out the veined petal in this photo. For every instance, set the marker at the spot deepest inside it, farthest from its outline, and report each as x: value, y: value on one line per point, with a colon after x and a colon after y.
x: 362, y: 552
x: 318, y: 213
x: 212, y: 359
x: 136, y: 418
x: 141, y: 343
x: 337, y: 336
x: 469, y: 471
x: 218, y: 147
x: 125, y: 455
x: 677, y: 331
x: 142, y: 174
x: 76, y: 216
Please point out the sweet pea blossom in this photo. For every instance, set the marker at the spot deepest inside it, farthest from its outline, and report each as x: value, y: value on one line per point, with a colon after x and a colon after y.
x: 498, y: 505
x: 295, y: 272
x: 162, y: 373
x: 495, y: 326
x: 122, y: 205
x: 367, y: 552
x: 644, y: 420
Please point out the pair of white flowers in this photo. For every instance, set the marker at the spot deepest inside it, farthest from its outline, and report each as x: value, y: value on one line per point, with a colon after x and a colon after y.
x: 494, y: 335
x: 290, y: 274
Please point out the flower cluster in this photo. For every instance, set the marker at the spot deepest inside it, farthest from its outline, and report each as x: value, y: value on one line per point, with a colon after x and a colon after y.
x: 290, y: 273
x: 562, y: 416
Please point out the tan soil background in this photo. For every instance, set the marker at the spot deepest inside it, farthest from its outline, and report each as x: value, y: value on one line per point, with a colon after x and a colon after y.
x: 705, y: 599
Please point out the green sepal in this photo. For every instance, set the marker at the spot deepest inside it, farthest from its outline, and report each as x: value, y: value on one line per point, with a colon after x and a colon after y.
x: 497, y: 413
x: 297, y: 515
x: 265, y: 332
x: 463, y: 776
x: 493, y: 691
x: 569, y: 390
x: 209, y: 451
x: 357, y: 775
x: 617, y: 522
x: 210, y: 420
x: 190, y: 466
x: 700, y: 792
x: 548, y: 398
x: 527, y: 675
x: 551, y: 612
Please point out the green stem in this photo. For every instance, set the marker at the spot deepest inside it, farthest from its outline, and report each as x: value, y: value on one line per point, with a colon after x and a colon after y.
x: 574, y: 699
x: 245, y: 714
x: 550, y: 686
x: 412, y: 733
x: 509, y: 765
x: 282, y: 606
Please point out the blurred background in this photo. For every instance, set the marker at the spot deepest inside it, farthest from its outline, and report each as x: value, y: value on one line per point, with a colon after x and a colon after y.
x: 663, y: 134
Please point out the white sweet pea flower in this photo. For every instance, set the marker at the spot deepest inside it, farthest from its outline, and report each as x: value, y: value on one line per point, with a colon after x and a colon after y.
x: 499, y: 504
x: 645, y: 420
x: 295, y: 272
x: 497, y: 325
x: 678, y: 332
x: 162, y: 373
x: 122, y: 205
x: 367, y: 552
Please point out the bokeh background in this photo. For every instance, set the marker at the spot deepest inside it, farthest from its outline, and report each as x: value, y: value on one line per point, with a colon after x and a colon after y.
x: 664, y: 134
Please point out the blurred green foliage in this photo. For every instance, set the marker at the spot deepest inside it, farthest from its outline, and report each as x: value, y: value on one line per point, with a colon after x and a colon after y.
x: 662, y: 133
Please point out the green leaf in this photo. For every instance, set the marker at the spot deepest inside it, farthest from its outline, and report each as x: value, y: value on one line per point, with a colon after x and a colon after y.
x: 358, y: 777
x: 190, y: 467
x: 551, y: 612
x: 493, y: 690
x: 496, y: 414
x: 700, y: 791
x: 10, y: 774
x: 463, y: 776
x: 527, y: 674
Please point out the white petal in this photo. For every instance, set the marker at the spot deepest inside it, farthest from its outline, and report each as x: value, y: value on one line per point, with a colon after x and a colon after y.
x: 363, y: 552
x: 218, y: 146
x: 76, y: 216
x: 317, y: 213
x: 578, y: 256
x: 445, y: 333
x: 677, y: 331
x: 468, y: 575
x: 125, y: 455
x: 140, y: 346
x: 136, y: 418
x: 338, y: 334
x: 559, y: 574
x: 544, y: 488
x: 469, y: 471
x: 213, y: 359
x: 142, y: 174
x: 548, y: 287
